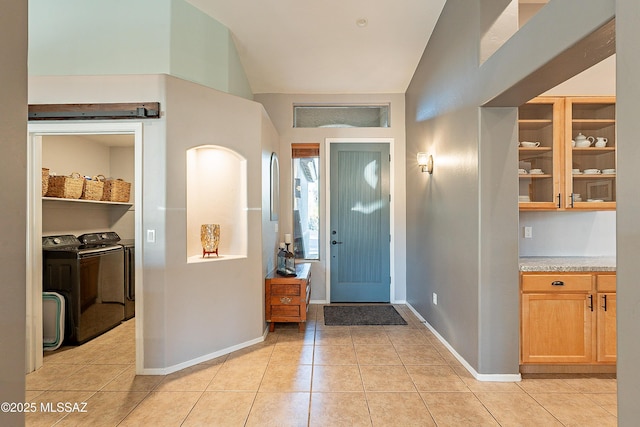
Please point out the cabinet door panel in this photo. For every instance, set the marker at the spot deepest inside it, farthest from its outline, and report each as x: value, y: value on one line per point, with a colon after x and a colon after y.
x: 606, y: 340
x: 556, y: 328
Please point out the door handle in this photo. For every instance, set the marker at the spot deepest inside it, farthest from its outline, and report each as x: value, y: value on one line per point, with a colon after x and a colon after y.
x: 333, y: 242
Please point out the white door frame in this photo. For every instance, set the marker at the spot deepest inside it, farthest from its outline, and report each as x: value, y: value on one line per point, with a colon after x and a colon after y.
x: 36, y: 131
x: 327, y: 192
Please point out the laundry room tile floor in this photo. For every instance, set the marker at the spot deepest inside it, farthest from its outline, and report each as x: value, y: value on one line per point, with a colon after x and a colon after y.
x: 324, y: 376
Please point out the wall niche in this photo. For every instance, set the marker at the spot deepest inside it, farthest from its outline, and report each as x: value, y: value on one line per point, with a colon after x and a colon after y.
x: 216, y: 194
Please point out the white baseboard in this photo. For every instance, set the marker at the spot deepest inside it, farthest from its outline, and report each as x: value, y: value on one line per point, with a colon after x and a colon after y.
x: 467, y: 366
x: 171, y: 369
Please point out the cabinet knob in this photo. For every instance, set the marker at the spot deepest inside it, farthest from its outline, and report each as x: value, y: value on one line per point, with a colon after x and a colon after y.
x: 557, y: 283
x: 285, y: 300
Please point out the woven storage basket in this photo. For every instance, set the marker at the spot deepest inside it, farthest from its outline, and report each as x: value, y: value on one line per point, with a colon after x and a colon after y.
x: 93, y: 188
x: 45, y: 181
x: 67, y: 187
x: 116, y: 190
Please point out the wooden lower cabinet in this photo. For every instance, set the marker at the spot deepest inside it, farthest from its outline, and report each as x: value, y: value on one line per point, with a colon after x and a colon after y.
x: 287, y: 298
x: 565, y: 320
x: 606, y: 341
x: 557, y: 328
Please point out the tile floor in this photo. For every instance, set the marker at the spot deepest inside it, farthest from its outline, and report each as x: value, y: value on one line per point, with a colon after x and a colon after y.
x: 325, y: 376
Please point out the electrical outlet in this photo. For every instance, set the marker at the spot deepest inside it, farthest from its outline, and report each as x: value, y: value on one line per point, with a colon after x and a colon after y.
x: 435, y: 298
x: 528, y: 232
x: 151, y: 236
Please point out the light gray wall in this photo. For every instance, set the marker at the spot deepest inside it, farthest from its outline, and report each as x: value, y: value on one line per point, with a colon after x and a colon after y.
x: 189, y: 311
x: 463, y: 228
x: 568, y: 233
x: 628, y: 210
x: 280, y: 110
x: 71, y: 37
x: 213, y: 305
x: 13, y: 197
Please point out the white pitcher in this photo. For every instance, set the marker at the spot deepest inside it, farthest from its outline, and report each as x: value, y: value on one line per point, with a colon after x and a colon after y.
x: 601, y: 141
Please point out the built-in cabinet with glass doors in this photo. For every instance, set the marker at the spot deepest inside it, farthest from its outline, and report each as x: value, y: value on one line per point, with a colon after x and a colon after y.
x: 567, y: 153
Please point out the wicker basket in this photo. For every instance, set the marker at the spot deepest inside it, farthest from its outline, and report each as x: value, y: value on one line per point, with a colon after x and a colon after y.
x: 67, y: 187
x: 116, y: 190
x: 93, y: 188
x: 45, y: 181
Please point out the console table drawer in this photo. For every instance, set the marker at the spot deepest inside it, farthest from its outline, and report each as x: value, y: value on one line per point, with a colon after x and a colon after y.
x: 287, y: 298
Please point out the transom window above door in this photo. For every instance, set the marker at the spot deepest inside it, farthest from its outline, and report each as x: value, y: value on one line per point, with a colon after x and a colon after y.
x: 341, y: 116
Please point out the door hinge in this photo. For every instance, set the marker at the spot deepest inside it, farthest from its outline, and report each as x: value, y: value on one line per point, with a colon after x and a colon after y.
x: 389, y: 197
x: 389, y: 157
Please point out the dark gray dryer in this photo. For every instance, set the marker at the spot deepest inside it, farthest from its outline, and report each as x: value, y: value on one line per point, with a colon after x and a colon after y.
x: 89, y: 272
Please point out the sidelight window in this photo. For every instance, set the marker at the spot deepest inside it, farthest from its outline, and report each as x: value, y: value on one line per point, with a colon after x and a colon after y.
x: 306, y: 200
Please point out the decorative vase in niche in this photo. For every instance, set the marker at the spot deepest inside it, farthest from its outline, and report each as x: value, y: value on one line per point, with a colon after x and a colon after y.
x: 210, y: 238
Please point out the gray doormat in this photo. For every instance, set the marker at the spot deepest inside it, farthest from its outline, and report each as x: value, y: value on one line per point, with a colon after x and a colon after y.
x: 354, y: 315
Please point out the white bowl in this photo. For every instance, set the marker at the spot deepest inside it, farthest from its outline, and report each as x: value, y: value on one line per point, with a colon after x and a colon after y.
x: 530, y: 144
x: 591, y: 171
x: 609, y: 171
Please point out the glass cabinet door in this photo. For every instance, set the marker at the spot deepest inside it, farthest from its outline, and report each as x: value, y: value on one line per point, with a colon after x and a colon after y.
x: 539, y: 164
x: 590, y: 152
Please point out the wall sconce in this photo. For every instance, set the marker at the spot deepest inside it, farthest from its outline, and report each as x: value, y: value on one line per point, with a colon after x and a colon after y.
x: 425, y: 161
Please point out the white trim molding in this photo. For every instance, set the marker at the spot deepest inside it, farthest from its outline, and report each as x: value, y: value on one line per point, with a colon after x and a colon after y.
x: 467, y: 366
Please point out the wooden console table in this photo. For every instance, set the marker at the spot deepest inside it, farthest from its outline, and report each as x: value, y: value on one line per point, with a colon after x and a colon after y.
x: 287, y: 298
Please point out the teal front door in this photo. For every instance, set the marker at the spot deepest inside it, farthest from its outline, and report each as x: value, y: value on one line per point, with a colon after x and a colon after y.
x: 359, y: 223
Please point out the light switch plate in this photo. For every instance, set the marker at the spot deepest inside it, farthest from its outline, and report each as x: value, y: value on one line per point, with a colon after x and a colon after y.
x: 151, y: 236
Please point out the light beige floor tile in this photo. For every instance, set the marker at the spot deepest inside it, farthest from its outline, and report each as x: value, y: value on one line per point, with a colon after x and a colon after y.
x: 73, y: 355
x: 30, y: 395
x: 239, y: 377
x: 608, y: 401
x: 294, y: 336
x: 386, y: 378
x: 546, y: 384
x: 50, y: 375
x: 458, y: 409
x: 589, y: 383
x: 369, y: 335
x: 129, y: 381
x: 279, y: 410
x: 516, y: 409
x: 223, y: 409
x: 194, y: 378
x: 91, y: 377
x: 168, y: 408
x: 104, y: 409
x: 377, y: 355
x: 286, y: 378
x: 255, y: 355
x: 292, y: 354
x: 335, y: 378
x: 575, y: 409
x: 336, y: 335
x: 398, y: 409
x: 123, y: 356
x: 419, y: 355
x: 436, y: 378
x: 407, y: 336
x: 47, y: 413
x: 334, y: 355
x: 339, y: 409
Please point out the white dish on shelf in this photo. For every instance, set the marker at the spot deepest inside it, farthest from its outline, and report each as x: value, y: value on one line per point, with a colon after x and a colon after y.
x: 530, y: 144
x: 608, y: 171
x: 577, y: 173
x: 536, y: 172
x: 592, y: 171
x: 595, y: 200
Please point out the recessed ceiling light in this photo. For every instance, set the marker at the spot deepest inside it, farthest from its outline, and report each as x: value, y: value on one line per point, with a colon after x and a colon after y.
x: 362, y: 22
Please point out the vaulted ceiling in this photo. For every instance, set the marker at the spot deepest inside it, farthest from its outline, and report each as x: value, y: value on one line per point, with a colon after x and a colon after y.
x: 328, y: 46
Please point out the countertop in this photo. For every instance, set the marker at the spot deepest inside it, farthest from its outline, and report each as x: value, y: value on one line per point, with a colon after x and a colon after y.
x: 561, y: 264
